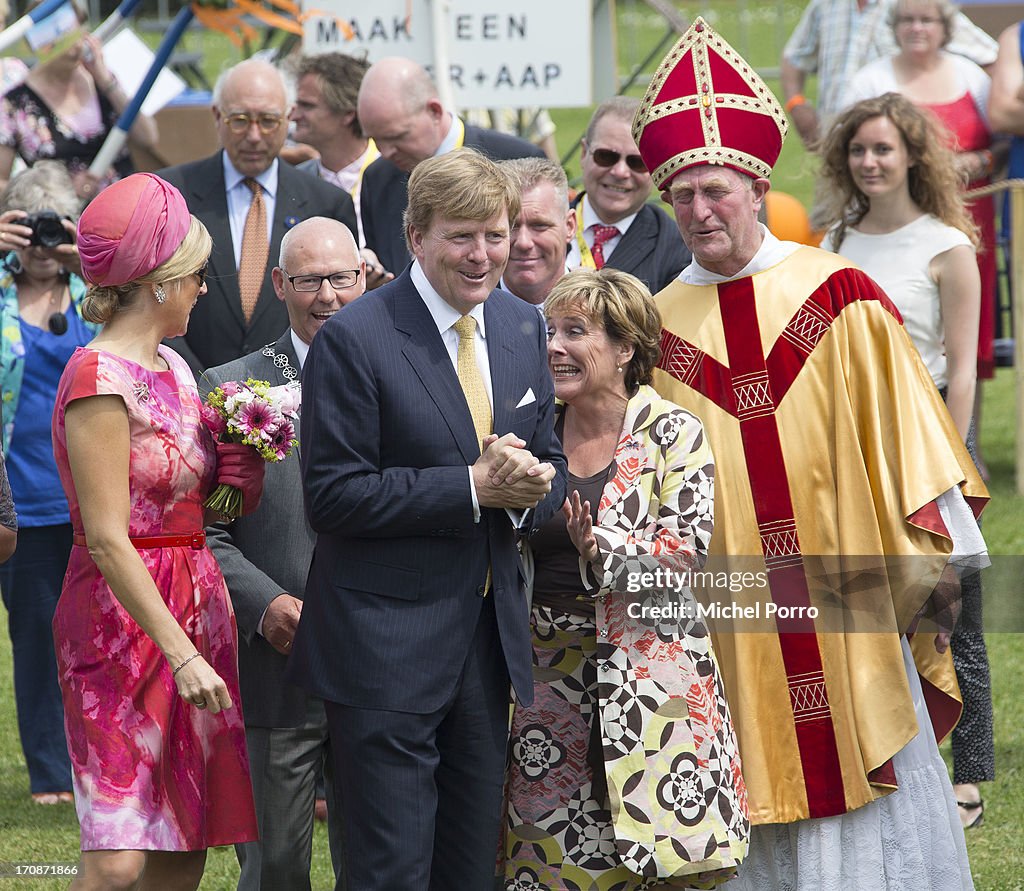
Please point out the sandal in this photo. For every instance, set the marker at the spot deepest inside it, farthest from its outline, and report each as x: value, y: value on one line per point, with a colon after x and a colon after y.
x: 970, y: 807
x: 51, y: 798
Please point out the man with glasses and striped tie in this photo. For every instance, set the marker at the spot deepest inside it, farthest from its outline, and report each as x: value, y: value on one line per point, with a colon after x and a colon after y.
x: 614, y: 223
x: 247, y: 199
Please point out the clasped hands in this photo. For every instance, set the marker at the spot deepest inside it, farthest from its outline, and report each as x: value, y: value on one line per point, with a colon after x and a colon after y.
x: 508, y: 475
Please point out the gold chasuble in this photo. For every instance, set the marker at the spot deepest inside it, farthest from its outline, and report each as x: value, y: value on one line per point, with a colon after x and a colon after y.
x: 831, y: 445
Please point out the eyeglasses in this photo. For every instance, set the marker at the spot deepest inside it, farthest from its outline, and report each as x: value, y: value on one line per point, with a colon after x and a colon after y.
x: 346, y: 278
x: 200, y: 274
x: 241, y: 121
x: 917, y: 19
x: 608, y: 158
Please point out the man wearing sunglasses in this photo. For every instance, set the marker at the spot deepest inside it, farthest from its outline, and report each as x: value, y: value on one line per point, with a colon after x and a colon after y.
x: 614, y: 223
x: 248, y: 199
x: 265, y: 557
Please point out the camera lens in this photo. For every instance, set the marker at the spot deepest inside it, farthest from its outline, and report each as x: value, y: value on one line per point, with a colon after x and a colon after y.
x: 47, y: 229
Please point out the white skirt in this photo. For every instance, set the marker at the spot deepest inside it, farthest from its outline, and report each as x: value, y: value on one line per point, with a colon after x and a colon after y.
x: 909, y: 840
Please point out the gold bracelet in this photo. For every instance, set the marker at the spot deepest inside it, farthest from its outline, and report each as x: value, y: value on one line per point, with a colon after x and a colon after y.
x: 195, y: 655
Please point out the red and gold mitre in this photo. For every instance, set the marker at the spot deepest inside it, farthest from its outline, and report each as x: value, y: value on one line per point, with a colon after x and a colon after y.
x: 706, y: 105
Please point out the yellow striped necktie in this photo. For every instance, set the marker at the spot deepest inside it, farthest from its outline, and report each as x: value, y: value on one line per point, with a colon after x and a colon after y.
x: 476, y: 394
x: 470, y: 378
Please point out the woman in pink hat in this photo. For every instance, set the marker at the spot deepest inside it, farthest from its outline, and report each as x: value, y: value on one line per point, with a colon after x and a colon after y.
x: 144, y: 630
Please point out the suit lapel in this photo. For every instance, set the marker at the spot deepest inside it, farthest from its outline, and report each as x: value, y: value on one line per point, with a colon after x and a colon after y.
x: 636, y: 244
x: 426, y: 353
x: 208, y: 200
x: 503, y: 364
x: 285, y: 347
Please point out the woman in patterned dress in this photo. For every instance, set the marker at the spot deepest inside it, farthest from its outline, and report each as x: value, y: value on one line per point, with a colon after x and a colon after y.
x: 625, y: 772
x: 144, y: 630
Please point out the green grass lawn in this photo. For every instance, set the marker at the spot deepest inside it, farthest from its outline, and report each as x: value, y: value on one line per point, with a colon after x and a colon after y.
x: 32, y: 833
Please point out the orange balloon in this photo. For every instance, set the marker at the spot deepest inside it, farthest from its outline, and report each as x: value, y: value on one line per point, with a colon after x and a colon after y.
x: 787, y: 218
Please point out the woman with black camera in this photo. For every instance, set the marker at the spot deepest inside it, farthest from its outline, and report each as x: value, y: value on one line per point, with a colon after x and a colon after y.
x: 40, y: 327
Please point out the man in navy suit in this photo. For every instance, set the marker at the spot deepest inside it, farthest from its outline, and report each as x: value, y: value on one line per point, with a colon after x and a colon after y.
x: 415, y: 618
x: 646, y: 242
x: 400, y: 110
x: 250, y: 106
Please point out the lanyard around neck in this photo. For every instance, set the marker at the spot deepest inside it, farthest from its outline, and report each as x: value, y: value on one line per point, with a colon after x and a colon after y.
x: 586, y: 257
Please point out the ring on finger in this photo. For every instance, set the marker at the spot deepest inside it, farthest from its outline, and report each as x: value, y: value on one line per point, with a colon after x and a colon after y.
x: 201, y: 703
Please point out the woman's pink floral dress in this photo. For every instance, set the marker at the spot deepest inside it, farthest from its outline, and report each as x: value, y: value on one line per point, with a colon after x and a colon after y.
x: 151, y: 772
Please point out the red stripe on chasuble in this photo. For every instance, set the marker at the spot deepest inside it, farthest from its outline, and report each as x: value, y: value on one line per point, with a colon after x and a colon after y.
x: 769, y: 483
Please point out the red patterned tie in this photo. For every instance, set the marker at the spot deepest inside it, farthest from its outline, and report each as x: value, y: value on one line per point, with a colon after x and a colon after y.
x: 255, y: 251
x: 601, y: 235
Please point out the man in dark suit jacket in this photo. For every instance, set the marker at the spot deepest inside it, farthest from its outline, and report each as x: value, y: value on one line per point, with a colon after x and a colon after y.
x: 616, y: 188
x: 250, y: 107
x: 415, y: 617
x: 400, y: 110
x: 265, y: 558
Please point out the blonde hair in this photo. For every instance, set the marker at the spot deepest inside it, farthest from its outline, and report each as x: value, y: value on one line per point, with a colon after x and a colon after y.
x: 932, y: 178
x: 531, y: 172
x: 103, y: 302
x: 463, y: 185
x: 623, y: 306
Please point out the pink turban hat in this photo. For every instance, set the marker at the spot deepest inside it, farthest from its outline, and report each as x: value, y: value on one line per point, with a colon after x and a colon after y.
x: 131, y: 228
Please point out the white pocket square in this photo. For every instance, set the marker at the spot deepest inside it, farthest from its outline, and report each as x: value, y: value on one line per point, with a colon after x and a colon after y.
x: 527, y: 398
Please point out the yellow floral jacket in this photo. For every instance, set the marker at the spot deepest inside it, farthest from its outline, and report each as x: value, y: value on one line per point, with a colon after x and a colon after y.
x: 678, y: 800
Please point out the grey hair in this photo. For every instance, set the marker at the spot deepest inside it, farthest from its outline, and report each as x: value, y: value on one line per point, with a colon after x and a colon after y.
x: 946, y: 9
x: 531, y: 172
x: 44, y: 186
x: 222, y: 79
x: 621, y: 107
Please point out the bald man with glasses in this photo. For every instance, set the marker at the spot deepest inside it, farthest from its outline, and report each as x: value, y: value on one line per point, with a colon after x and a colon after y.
x: 248, y: 199
x: 615, y: 225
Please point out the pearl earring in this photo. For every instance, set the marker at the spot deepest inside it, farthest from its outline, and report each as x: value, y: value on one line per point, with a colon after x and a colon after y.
x: 160, y: 294
x: 618, y: 368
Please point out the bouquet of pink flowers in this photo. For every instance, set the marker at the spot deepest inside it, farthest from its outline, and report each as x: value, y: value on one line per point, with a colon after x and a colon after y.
x: 256, y: 414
